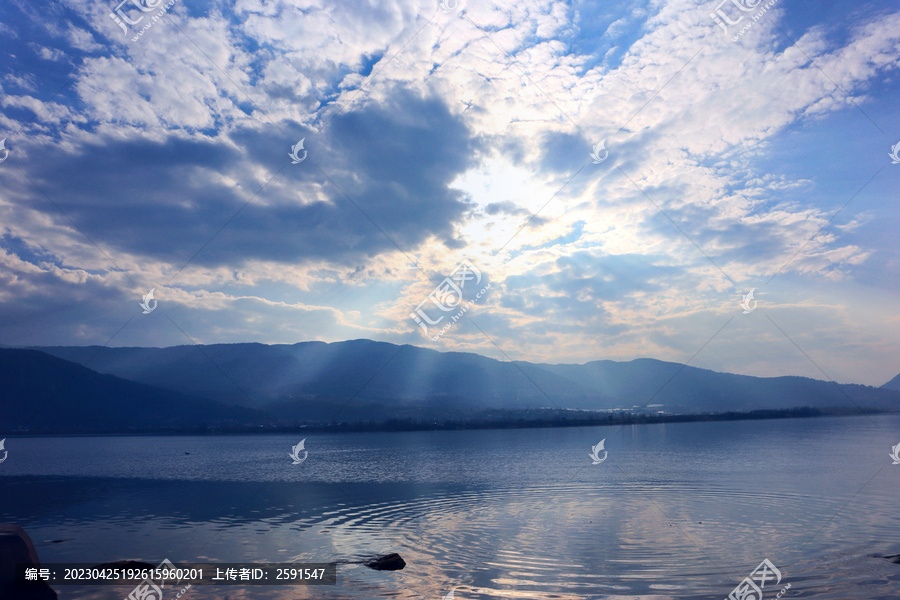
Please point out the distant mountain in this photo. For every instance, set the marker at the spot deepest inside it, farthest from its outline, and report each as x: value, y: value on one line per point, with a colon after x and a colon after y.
x: 43, y: 393
x: 363, y: 379
x: 681, y: 388
x: 893, y: 384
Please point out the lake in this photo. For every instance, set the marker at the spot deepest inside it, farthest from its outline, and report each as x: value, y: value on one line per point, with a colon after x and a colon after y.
x: 676, y: 511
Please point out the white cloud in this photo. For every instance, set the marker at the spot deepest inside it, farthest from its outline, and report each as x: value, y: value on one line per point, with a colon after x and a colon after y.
x: 689, y: 117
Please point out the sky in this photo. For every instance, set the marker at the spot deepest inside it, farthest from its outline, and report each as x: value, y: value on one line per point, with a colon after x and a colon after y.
x: 542, y: 181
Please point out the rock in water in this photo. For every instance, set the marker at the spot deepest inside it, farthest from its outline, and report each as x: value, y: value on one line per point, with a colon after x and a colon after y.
x: 125, y: 564
x: 16, y: 547
x: 388, y: 562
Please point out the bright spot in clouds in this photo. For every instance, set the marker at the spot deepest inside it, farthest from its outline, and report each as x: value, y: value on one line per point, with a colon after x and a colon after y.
x: 435, y: 136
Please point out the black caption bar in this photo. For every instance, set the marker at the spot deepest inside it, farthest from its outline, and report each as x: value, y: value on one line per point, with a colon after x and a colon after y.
x: 160, y: 577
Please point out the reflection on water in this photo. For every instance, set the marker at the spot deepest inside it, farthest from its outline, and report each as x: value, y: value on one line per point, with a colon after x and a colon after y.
x: 677, y: 511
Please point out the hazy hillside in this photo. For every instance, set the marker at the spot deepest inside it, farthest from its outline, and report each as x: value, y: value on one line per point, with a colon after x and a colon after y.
x: 39, y: 392
x: 893, y: 384
x: 257, y: 374
x: 313, y: 377
x: 682, y: 388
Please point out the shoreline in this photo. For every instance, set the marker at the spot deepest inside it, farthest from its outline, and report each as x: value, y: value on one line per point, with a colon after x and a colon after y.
x: 553, y: 419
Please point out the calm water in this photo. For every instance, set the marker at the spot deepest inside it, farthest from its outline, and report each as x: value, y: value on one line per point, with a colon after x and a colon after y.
x: 676, y: 511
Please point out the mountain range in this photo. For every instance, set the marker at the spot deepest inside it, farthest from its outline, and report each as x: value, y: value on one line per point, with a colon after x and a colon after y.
x: 42, y: 393
x: 222, y: 385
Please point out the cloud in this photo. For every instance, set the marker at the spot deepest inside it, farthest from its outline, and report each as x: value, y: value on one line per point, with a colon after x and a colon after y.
x: 506, y: 207
x: 436, y: 135
x: 380, y: 179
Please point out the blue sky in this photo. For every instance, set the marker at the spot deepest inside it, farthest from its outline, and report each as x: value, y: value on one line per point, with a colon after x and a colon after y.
x: 159, y: 160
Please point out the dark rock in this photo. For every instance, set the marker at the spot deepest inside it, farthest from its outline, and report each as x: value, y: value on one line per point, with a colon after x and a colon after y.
x: 388, y: 562
x: 894, y: 558
x: 125, y: 564
x: 16, y: 547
